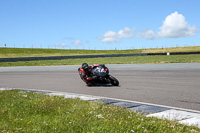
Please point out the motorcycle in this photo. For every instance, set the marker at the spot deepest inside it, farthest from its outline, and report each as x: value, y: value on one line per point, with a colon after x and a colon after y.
x: 102, y: 76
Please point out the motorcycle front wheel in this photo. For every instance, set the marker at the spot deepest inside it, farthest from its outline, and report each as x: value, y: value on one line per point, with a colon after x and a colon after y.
x: 113, y: 81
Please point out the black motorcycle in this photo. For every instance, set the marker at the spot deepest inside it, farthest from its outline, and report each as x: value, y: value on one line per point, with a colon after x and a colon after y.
x: 102, y: 76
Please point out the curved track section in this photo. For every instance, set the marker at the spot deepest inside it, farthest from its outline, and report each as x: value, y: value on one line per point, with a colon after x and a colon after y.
x: 175, y: 85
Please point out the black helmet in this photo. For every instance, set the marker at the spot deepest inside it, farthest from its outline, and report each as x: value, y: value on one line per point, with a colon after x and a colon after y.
x: 85, y: 67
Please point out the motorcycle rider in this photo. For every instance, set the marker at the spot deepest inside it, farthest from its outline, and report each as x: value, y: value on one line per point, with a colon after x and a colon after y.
x: 85, y: 73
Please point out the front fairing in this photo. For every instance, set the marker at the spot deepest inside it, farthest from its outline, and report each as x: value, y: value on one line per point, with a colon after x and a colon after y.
x: 100, y: 72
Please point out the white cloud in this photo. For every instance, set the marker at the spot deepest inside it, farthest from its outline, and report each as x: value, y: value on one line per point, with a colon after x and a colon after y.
x: 113, y: 37
x: 126, y: 33
x: 77, y: 42
x: 148, y: 34
x: 110, y: 40
x: 60, y: 45
x: 175, y: 26
x: 110, y: 34
x: 109, y: 37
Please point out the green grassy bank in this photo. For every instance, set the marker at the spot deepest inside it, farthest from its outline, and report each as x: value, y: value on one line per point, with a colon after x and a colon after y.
x: 109, y: 60
x: 21, y: 52
x: 25, y: 52
x: 32, y: 112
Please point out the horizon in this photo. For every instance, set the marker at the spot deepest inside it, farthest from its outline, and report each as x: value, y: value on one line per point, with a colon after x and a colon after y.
x: 100, y: 49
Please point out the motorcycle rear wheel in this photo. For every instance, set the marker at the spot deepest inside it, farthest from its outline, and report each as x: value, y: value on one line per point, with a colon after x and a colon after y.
x: 113, y: 81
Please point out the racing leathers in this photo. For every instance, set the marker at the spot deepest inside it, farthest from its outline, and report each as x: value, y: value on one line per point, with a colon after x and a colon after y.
x: 86, y: 76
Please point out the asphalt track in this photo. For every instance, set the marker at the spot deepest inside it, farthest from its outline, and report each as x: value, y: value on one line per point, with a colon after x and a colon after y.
x: 176, y: 85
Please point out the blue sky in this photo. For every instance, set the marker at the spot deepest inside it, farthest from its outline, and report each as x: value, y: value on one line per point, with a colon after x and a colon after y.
x: 99, y: 24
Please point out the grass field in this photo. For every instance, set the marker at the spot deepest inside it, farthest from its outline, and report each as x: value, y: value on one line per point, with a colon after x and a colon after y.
x: 22, y: 52
x: 110, y: 60
x: 32, y: 112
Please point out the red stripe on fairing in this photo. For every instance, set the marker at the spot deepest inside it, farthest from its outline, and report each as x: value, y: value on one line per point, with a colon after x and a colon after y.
x: 80, y: 71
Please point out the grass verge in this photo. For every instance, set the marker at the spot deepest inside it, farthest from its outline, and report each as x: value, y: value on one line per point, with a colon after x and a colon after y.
x: 110, y: 60
x: 32, y: 112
